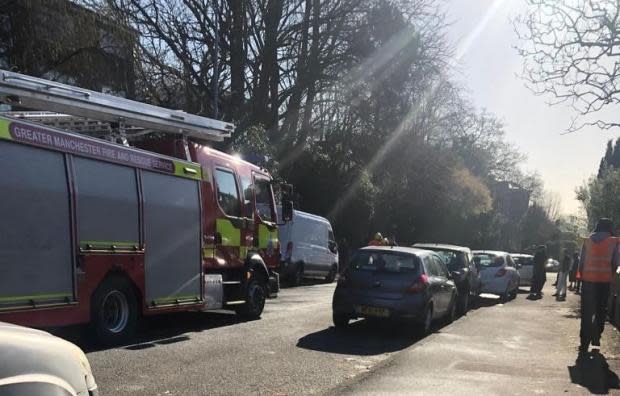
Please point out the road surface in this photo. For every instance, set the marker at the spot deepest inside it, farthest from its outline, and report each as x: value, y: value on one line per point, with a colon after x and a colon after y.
x: 521, y: 347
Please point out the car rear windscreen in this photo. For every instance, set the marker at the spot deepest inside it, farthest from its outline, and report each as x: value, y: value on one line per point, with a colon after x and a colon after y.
x: 368, y: 260
x: 489, y: 260
x: 454, y: 260
x: 524, y: 260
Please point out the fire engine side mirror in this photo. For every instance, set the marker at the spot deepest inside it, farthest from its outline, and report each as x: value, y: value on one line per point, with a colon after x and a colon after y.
x: 287, y: 211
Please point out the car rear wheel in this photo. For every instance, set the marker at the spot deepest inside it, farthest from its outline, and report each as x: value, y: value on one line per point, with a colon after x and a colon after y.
x: 424, y: 328
x: 451, y: 315
x: 504, y: 298
x: 463, y: 303
x: 341, y: 321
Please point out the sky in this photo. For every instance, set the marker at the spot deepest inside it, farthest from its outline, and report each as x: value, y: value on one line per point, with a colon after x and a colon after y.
x: 488, y: 65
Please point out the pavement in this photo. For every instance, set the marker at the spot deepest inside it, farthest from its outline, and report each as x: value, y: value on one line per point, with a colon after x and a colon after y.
x: 521, y: 347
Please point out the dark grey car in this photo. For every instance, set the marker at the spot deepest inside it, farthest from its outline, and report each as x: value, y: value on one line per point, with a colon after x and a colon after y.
x: 459, y: 261
x: 395, y: 283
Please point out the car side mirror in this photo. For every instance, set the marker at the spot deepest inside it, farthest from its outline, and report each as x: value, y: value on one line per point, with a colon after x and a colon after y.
x: 287, y: 211
x: 333, y: 247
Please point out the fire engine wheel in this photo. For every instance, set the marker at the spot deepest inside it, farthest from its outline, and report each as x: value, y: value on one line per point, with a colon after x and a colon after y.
x: 255, y: 295
x: 114, y: 311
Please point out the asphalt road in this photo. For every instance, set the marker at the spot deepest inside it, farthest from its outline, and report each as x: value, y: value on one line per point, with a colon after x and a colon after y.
x: 521, y: 347
x: 292, y: 349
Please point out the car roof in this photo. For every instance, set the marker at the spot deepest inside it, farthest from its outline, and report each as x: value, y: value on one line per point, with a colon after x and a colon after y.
x: 521, y: 255
x: 443, y: 246
x: 495, y: 252
x: 400, y: 249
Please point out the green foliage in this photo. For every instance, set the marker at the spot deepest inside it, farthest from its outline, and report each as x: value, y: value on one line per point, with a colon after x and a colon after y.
x: 348, y: 100
x: 601, y: 197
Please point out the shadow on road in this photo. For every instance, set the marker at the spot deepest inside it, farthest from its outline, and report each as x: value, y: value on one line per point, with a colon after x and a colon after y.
x: 484, y: 301
x: 592, y: 372
x: 305, y: 282
x: 158, y: 330
x: 364, y: 337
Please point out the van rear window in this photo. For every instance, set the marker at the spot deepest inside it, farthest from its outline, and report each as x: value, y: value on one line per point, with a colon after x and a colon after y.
x: 368, y: 260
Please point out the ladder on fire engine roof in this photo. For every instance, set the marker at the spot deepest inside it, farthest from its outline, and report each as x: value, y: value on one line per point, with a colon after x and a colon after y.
x: 89, y: 112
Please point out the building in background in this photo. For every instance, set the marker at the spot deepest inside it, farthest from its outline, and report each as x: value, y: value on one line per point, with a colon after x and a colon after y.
x: 62, y: 41
x: 510, y: 200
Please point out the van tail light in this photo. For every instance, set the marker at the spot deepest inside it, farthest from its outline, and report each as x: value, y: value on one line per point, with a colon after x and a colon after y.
x: 501, y: 272
x: 419, y: 285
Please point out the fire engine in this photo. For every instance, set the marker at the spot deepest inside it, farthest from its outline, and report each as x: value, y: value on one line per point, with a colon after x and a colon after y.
x: 114, y: 209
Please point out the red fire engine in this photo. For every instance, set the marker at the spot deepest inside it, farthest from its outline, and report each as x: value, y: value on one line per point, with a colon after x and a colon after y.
x: 92, y: 231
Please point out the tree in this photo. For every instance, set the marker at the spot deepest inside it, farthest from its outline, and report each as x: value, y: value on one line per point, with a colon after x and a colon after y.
x: 571, y: 51
x: 601, y: 197
x: 349, y: 100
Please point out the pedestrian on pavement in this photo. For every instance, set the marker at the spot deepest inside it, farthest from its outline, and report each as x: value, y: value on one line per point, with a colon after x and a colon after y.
x: 576, y: 260
x: 596, y: 269
x: 540, y: 273
x: 572, y: 273
x: 377, y: 240
x: 565, y: 264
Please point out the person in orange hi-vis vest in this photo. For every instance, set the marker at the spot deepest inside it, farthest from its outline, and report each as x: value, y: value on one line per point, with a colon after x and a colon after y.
x: 596, y: 268
x: 377, y: 240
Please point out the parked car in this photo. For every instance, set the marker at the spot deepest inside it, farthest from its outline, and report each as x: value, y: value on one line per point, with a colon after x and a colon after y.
x: 459, y: 261
x: 36, y: 363
x: 525, y: 266
x: 498, y: 273
x: 309, y: 249
x: 398, y: 283
x: 552, y: 265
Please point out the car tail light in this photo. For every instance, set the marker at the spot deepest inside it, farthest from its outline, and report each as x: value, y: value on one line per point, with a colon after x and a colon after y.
x: 501, y: 272
x: 419, y: 285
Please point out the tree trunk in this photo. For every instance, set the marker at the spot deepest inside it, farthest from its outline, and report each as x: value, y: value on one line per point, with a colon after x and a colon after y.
x: 294, y: 105
x: 312, y: 73
x: 269, y: 64
x: 237, y: 57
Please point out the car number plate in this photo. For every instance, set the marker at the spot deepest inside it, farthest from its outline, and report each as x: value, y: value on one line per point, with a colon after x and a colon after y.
x: 373, y: 311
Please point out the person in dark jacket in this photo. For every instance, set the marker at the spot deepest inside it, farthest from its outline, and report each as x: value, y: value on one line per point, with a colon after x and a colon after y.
x: 572, y: 275
x: 540, y: 273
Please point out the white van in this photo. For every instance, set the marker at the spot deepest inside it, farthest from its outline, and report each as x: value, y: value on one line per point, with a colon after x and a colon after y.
x: 309, y: 249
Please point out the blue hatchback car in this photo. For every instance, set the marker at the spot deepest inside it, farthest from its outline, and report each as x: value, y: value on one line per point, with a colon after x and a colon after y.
x: 398, y: 283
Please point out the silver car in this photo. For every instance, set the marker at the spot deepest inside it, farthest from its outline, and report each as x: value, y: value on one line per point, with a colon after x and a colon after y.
x: 498, y: 273
x: 36, y: 363
x: 525, y: 266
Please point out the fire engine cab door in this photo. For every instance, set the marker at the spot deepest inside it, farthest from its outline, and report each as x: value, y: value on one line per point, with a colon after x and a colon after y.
x: 230, y: 225
x: 173, y: 267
